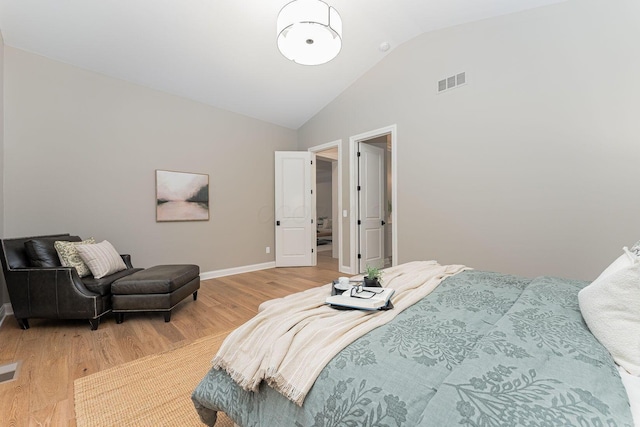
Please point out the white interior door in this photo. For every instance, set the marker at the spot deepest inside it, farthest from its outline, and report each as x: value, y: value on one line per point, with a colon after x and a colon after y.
x: 371, y: 206
x: 294, y: 209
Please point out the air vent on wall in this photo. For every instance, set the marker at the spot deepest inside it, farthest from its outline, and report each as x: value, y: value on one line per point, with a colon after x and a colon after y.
x: 452, y: 82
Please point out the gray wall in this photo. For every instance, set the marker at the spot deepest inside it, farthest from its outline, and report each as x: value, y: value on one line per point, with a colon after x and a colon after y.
x: 528, y: 169
x: 531, y: 168
x: 4, y: 296
x: 81, y: 151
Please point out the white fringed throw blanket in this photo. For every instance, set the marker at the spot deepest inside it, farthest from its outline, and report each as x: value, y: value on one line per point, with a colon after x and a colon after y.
x: 291, y: 339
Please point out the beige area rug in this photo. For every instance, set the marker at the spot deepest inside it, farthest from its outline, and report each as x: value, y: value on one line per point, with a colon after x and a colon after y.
x: 151, y: 391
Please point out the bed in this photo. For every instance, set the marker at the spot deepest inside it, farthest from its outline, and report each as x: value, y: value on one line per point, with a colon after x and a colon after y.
x: 481, y: 349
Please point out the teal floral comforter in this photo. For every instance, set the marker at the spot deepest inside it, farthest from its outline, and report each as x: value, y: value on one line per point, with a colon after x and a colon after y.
x: 483, y: 349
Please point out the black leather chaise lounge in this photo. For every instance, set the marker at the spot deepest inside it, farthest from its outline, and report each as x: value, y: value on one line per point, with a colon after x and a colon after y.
x: 40, y: 287
x: 49, y: 290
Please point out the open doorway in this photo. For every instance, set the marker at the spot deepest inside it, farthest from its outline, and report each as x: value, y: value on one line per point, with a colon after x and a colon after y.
x: 373, y: 199
x: 374, y: 202
x: 328, y: 192
x: 326, y: 201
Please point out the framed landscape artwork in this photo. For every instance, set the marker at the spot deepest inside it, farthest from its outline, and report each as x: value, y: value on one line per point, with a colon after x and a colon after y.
x: 182, y: 196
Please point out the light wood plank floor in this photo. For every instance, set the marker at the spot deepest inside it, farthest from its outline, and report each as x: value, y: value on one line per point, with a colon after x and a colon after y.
x: 54, y: 353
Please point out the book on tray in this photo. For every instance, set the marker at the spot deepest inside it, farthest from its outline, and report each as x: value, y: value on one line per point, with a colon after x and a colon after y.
x: 362, y: 298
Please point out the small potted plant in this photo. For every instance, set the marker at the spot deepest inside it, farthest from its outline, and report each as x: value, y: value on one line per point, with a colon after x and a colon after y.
x: 372, y: 277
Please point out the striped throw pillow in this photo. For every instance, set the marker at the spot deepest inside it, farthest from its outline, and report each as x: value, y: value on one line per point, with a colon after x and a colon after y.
x: 101, y: 258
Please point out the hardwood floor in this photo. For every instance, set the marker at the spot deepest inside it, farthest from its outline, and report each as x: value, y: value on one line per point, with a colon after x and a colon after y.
x: 54, y: 353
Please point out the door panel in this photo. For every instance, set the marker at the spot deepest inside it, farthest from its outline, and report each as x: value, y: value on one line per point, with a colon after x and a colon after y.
x: 295, y: 230
x: 293, y: 242
x: 373, y: 240
x: 371, y: 206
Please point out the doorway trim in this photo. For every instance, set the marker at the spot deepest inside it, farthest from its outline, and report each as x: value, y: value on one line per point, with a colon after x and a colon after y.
x: 353, y: 194
x: 322, y: 147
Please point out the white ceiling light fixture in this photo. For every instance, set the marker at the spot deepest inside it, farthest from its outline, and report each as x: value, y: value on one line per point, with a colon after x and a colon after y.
x: 309, y: 32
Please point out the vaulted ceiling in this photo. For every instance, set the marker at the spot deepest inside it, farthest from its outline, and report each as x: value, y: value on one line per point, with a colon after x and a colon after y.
x: 223, y: 52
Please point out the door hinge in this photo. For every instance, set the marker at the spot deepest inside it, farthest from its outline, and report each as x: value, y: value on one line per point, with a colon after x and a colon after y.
x: 311, y: 191
x: 359, y: 256
x: 311, y: 161
x: 312, y: 221
x: 311, y: 250
x: 358, y: 154
x: 359, y: 222
x: 358, y: 188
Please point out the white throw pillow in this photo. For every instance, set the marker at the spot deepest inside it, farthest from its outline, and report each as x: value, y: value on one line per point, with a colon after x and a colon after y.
x: 101, y: 258
x: 610, y: 306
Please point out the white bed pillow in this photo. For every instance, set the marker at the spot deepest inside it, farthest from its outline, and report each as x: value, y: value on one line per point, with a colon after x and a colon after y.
x: 610, y: 306
x: 101, y: 258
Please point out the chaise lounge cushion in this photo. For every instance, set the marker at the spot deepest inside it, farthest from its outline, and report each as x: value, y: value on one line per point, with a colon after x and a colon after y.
x: 42, y: 252
x: 160, y: 279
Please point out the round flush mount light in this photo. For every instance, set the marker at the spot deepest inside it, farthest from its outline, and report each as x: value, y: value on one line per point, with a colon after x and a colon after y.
x: 309, y: 32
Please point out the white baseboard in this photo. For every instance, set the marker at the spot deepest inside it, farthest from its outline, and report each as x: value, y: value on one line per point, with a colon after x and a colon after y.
x: 5, y: 311
x: 236, y: 270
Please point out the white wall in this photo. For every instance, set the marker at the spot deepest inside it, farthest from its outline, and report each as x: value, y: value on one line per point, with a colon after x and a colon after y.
x: 81, y: 151
x: 531, y: 168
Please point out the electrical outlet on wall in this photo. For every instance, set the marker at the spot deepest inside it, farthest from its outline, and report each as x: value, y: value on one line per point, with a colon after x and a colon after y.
x: 268, y: 250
